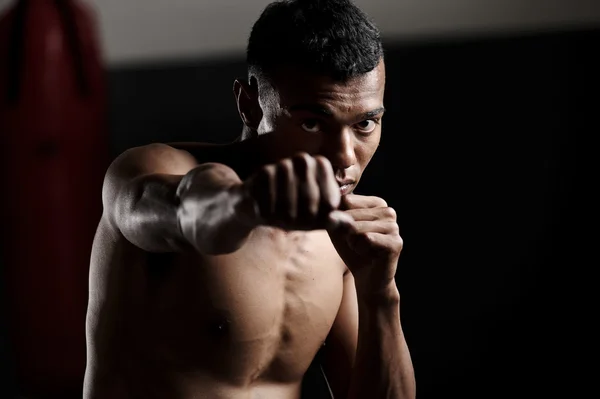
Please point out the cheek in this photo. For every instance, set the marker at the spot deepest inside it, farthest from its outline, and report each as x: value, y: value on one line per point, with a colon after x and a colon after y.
x: 365, y: 150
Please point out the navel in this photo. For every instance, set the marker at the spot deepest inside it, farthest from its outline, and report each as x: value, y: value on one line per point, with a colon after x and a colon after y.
x: 286, y: 336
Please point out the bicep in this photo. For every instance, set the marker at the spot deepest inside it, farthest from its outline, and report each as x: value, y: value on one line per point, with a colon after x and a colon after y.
x: 339, y: 352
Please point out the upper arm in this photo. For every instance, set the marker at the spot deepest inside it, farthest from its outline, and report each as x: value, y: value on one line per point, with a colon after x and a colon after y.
x: 141, y: 161
x: 339, y: 352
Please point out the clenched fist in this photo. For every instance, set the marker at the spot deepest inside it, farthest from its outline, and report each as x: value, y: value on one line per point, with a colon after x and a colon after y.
x: 368, y: 241
x: 296, y: 193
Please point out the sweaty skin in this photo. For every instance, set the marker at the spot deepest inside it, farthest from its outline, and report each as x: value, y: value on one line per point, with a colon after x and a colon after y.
x: 238, y: 310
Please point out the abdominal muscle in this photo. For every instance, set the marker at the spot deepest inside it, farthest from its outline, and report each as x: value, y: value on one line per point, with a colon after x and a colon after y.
x: 243, y: 325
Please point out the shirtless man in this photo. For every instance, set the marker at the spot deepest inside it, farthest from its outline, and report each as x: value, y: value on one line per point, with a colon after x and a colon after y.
x: 220, y: 271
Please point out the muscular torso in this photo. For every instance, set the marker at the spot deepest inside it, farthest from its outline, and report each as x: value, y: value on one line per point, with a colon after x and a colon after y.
x: 243, y: 325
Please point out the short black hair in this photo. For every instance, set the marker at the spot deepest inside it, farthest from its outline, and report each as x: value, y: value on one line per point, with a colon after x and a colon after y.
x: 329, y: 37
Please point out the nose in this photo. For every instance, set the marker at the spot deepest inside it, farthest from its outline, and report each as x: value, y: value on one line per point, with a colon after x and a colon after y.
x: 339, y: 149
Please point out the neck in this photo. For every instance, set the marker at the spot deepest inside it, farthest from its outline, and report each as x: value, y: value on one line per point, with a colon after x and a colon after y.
x: 251, y: 150
x: 245, y: 156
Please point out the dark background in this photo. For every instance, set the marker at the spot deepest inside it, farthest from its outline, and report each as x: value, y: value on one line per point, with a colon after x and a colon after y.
x: 479, y: 157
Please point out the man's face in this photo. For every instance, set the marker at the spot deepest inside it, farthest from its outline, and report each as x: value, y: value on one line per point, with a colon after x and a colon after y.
x: 320, y: 116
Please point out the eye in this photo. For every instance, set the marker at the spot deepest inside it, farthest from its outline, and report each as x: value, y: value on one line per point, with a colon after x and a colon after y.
x: 311, y: 126
x: 367, y: 126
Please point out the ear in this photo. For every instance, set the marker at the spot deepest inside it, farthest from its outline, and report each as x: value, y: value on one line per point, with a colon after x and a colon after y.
x: 246, y: 97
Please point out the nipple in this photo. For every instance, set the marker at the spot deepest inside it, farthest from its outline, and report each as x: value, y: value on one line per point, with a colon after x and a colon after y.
x: 220, y: 327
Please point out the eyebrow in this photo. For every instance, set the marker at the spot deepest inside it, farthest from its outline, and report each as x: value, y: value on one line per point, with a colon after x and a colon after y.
x: 322, y: 111
x: 372, y: 114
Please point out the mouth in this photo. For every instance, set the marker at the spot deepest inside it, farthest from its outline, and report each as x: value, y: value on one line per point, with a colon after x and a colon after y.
x: 346, y: 187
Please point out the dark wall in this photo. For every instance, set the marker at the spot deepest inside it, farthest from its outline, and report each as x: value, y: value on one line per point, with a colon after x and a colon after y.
x: 478, y: 157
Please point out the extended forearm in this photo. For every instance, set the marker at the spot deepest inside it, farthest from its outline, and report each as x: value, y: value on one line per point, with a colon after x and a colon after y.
x: 146, y: 213
x: 201, y: 210
x: 215, y: 214
x: 383, y: 367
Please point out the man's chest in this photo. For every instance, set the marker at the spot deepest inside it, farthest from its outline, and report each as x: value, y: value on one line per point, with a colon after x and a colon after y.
x: 261, y: 311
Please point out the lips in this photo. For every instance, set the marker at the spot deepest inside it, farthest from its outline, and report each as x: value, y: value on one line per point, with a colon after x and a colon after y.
x: 346, y: 186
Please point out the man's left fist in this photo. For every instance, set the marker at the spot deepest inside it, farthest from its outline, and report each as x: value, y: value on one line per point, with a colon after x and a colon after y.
x: 366, y: 236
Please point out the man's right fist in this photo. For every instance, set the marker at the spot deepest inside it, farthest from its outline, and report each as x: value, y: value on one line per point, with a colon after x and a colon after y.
x: 296, y: 193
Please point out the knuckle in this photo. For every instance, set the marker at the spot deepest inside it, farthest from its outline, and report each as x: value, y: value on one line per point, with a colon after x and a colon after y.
x: 268, y: 172
x: 381, y: 203
x: 286, y: 165
x: 304, y: 164
x: 399, y: 244
x: 302, y: 157
x: 369, y: 238
x: 285, y: 171
x: 262, y: 180
x: 389, y: 213
x: 310, y: 163
x: 322, y: 162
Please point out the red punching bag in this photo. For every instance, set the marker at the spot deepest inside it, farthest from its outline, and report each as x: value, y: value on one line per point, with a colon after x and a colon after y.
x: 53, y: 154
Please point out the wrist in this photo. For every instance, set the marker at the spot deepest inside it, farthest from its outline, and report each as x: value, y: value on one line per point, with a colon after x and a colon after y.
x: 382, y: 296
x: 243, y: 205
